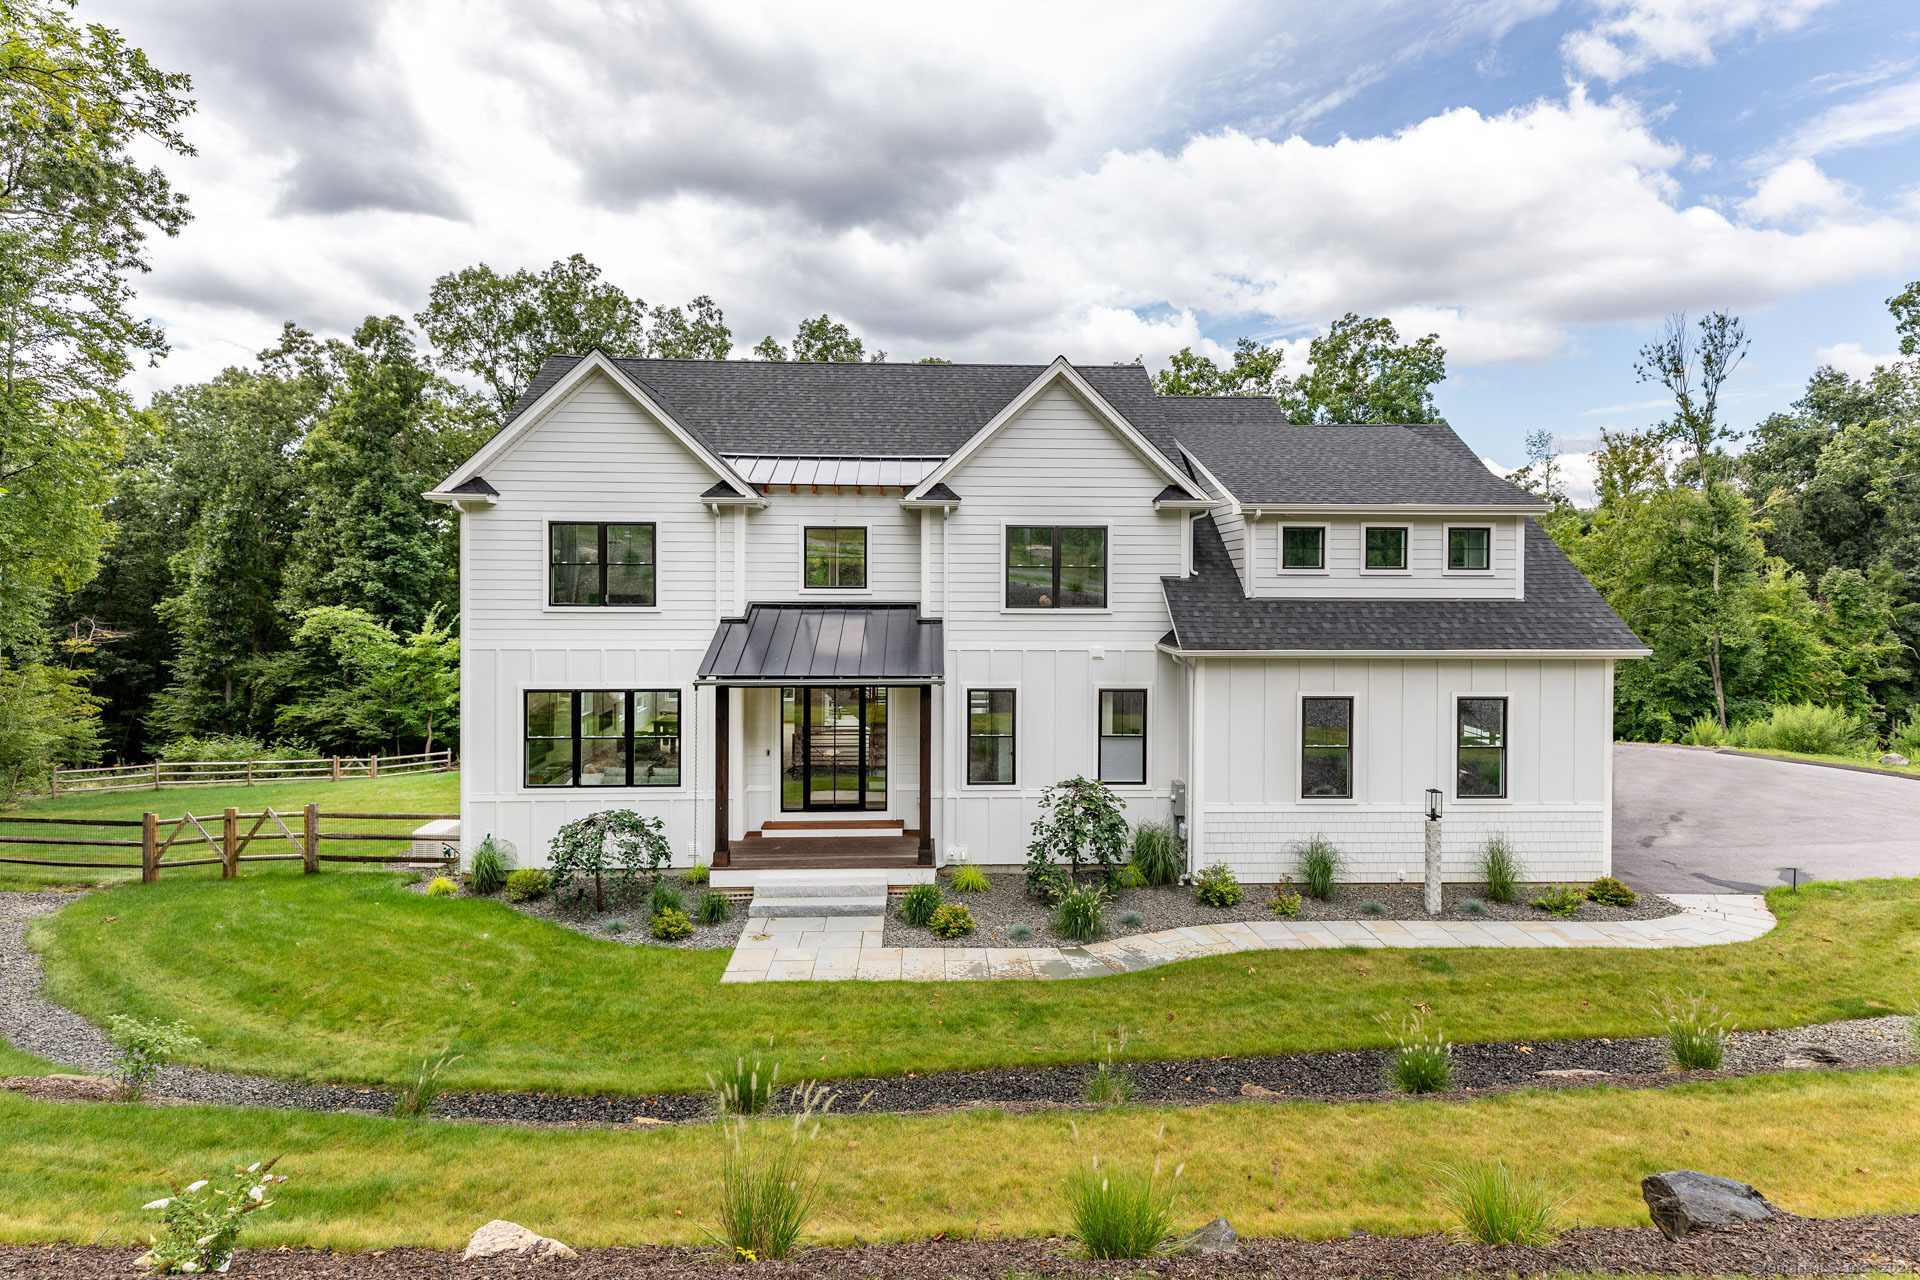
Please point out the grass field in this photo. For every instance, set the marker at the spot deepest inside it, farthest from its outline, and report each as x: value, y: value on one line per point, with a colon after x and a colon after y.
x: 407, y: 793
x: 355, y: 978
x: 1817, y: 1144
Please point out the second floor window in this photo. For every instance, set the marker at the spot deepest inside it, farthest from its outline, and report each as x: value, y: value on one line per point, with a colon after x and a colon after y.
x: 1386, y: 547
x: 1056, y: 567
x: 1469, y: 548
x: 600, y: 564
x: 1303, y: 547
x: 836, y: 557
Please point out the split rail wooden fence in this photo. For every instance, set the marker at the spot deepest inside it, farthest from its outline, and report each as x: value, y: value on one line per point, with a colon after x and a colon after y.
x: 208, y: 773
x: 230, y: 845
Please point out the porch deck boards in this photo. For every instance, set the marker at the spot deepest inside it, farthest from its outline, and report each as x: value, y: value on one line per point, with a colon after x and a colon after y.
x: 811, y: 853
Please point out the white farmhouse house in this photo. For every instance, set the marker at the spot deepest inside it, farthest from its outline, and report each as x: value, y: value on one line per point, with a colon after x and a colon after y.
x: 859, y: 615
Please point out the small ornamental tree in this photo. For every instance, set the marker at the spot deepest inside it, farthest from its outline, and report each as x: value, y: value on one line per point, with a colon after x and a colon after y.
x: 1080, y: 822
x: 616, y: 843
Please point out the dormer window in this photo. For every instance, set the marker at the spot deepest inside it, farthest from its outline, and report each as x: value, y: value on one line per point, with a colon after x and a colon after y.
x: 1386, y: 547
x: 1303, y: 547
x: 1470, y: 547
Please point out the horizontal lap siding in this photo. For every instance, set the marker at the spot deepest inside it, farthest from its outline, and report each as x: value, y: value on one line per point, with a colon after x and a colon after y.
x: 1346, y: 553
x: 774, y: 545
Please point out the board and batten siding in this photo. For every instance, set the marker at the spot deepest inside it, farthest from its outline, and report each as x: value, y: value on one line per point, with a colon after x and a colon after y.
x: 1559, y: 765
x: 1425, y: 577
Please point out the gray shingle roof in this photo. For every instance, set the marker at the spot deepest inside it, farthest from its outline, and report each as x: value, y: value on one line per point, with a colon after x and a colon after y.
x: 1262, y: 458
x: 1561, y: 611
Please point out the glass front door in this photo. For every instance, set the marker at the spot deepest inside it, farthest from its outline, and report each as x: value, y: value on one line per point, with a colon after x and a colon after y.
x: 833, y: 748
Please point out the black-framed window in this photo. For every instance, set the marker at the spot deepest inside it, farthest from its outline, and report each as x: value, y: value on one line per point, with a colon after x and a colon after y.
x: 1386, y: 547
x: 1326, y: 748
x: 1482, y: 749
x: 1123, y: 735
x: 836, y: 557
x: 600, y: 564
x: 990, y: 741
x: 1056, y: 567
x: 1303, y: 546
x: 1470, y: 548
x: 603, y: 737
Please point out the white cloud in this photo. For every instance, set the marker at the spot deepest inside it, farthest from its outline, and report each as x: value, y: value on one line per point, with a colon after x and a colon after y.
x: 1631, y: 35
x: 1793, y: 190
x: 1579, y: 474
x: 1852, y: 359
x: 1886, y: 115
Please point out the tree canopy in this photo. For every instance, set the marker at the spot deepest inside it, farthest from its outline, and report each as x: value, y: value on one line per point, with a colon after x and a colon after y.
x: 1358, y: 371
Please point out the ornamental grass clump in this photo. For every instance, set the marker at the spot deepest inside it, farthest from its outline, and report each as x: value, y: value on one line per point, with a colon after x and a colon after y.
x: 1158, y: 854
x: 1217, y: 886
x: 699, y: 873
x: 1491, y: 1205
x: 416, y: 1098
x: 713, y: 908
x: 744, y: 1089
x: 1696, y: 1032
x: 1120, y: 1213
x: 919, y: 904
x: 201, y: 1222
x: 1373, y: 909
x: 1131, y: 920
x: 1321, y: 864
x: 1112, y: 1081
x: 1021, y: 933
x: 1081, y: 915
x: 952, y: 920
x: 441, y: 887
x: 1500, y: 869
x: 1422, y: 1060
x: 144, y: 1047
x: 492, y: 864
x: 665, y: 898
x: 968, y: 878
x: 768, y: 1189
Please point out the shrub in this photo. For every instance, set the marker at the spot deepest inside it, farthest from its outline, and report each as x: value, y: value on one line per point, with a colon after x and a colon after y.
x: 713, y: 908
x: 1494, y: 1207
x: 1705, y: 731
x: 921, y: 901
x: 1321, y: 863
x: 968, y: 878
x: 492, y: 862
x: 1132, y: 919
x: 1217, y: 886
x: 1696, y: 1032
x: 1612, y: 892
x: 1422, y: 1060
x: 1081, y: 915
x: 1158, y: 853
x: 1906, y: 738
x: 1119, y: 1213
x: 201, y: 1223
x: 1080, y: 821
x: 1472, y: 907
x: 1111, y: 1082
x: 615, y: 926
x: 952, y: 920
x: 699, y: 873
x: 670, y: 926
x: 441, y: 887
x: 1130, y: 877
x: 417, y: 1098
x: 743, y: 1089
x: 145, y: 1047
x: 1048, y: 883
x: 1373, y: 909
x: 1283, y: 903
x: 664, y: 897
x: 1561, y: 900
x: 1500, y: 869
x: 526, y: 884
x: 1021, y: 933
x: 220, y: 748
x: 580, y: 854
x: 1807, y: 729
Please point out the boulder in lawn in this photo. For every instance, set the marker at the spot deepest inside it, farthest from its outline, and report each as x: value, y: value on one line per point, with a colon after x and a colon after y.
x: 1685, y: 1200
x: 1894, y: 758
x: 501, y: 1237
x: 1216, y: 1237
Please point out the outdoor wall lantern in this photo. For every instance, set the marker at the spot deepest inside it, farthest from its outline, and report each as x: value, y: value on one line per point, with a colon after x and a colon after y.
x: 1433, y: 804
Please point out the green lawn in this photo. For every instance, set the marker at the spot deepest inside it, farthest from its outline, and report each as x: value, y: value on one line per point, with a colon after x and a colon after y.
x: 354, y: 978
x: 407, y: 793
x: 1823, y: 1145
x: 1870, y: 763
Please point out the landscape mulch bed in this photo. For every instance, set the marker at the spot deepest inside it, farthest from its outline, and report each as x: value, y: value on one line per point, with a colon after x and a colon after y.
x: 1787, y: 1246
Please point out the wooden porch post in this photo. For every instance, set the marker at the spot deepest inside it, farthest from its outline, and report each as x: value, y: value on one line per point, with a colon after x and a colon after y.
x: 926, y: 775
x: 722, y: 750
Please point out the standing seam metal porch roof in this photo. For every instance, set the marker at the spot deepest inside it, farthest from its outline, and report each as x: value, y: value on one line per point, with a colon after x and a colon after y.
x: 820, y: 644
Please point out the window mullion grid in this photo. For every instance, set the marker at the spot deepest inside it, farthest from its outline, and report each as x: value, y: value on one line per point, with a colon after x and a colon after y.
x: 1058, y: 548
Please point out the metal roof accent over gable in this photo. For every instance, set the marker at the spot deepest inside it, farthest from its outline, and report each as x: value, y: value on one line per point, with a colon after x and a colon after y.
x: 826, y: 644
x: 869, y: 473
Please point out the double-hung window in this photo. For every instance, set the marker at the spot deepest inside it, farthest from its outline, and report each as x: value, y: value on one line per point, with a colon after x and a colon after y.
x: 603, y: 737
x: 1470, y: 547
x: 1056, y: 567
x: 1123, y: 735
x: 1482, y: 749
x: 990, y: 740
x: 1326, y: 748
x: 1303, y: 546
x: 836, y: 557
x: 1386, y: 547
x: 600, y: 564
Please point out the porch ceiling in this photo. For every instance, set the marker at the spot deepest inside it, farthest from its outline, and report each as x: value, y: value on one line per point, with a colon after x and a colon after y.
x: 870, y: 644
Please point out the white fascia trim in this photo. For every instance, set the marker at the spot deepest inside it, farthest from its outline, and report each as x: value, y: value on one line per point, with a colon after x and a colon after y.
x: 1516, y: 654
x: 593, y: 362
x: 462, y: 502
x: 1386, y: 509
x: 1059, y: 370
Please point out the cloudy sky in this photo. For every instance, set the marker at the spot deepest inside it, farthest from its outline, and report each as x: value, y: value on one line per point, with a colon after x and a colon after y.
x: 1538, y: 181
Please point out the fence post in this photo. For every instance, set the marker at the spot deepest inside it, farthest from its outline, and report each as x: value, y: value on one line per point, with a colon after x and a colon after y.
x: 53, y: 784
x: 373, y: 765
x: 149, y: 847
x: 230, y: 844
x: 156, y: 775
x: 310, y: 856
x: 336, y: 768
x: 249, y: 773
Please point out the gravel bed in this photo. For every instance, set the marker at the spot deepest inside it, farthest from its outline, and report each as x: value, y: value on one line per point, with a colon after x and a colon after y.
x: 1786, y: 1246
x: 1007, y: 904
x: 625, y: 920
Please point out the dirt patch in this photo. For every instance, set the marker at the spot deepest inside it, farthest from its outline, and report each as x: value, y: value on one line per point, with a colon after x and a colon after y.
x: 1787, y: 1246
x: 66, y: 1088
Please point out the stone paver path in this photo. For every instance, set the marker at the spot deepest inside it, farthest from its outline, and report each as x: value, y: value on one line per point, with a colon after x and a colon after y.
x: 816, y: 949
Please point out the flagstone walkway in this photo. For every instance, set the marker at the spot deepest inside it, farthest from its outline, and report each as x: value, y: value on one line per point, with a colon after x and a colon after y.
x: 816, y: 949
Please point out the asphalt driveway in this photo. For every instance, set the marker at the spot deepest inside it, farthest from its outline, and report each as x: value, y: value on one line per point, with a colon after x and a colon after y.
x: 1688, y: 821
